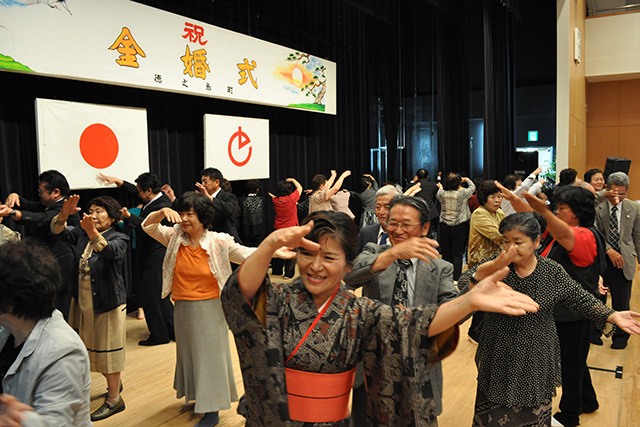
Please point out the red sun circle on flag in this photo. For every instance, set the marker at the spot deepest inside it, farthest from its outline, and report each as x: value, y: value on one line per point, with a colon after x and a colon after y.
x: 99, y: 146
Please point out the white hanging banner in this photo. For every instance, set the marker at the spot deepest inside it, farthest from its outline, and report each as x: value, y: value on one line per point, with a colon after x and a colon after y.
x: 238, y: 146
x: 81, y: 140
x: 126, y: 43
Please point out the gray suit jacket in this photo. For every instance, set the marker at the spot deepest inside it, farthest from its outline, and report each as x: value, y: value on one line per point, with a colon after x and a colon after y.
x: 434, y: 285
x: 51, y: 373
x: 629, y: 231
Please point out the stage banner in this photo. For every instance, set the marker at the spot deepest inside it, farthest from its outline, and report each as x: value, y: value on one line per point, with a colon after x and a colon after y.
x: 81, y: 140
x: 125, y: 43
x: 238, y: 146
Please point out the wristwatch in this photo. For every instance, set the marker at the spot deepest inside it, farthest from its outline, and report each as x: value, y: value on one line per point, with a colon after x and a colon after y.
x: 473, y: 280
x: 12, y: 215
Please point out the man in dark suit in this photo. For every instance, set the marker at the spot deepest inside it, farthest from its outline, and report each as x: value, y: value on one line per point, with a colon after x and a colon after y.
x: 53, y: 188
x: 224, y: 203
x: 403, y: 274
x: 428, y: 191
x: 377, y: 233
x: 149, y: 255
x: 618, y: 219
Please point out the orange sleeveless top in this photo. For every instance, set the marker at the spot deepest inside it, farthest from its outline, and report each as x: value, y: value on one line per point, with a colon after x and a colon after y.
x: 192, y: 278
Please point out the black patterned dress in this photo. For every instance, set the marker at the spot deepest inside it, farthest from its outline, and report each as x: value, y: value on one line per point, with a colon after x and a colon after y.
x: 393, y: 343
x: 518, y: 357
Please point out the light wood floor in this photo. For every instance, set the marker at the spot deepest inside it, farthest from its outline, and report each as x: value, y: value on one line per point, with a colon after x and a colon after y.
x: 150, y: 399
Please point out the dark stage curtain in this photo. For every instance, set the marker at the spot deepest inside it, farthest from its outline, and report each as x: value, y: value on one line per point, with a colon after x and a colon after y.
x: 302, y: 143
x: 452, y: 95
x: 370, y: 42
x: 385, y: 58
x: 499, y: 90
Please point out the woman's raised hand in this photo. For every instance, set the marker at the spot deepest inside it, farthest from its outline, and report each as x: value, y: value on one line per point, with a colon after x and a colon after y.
x: 285, y: 253
x: 413, y: 190
x: 171, y: 215
x: 503, y: 260
x: 538, y: 205
x: 88, y: 225
x: 627, y: 321
x: 490, y: 294
x: 508, y: 195
x: 291, y: 238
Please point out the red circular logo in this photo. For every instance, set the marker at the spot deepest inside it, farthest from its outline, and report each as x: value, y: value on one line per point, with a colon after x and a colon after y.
x: 99, y: 146
x: 243, y: 140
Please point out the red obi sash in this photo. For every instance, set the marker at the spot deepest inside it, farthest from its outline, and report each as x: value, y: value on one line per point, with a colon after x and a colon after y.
x: 318, y: 398
x: 314, y: 397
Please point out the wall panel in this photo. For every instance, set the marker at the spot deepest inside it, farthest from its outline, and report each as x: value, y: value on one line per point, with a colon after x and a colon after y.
x: 630, y: 102
x: 604, y: 104
x: 613, y: 126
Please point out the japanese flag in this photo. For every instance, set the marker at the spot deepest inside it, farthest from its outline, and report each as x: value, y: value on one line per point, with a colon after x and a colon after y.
x: 81, y: 140
x: 238, y: 146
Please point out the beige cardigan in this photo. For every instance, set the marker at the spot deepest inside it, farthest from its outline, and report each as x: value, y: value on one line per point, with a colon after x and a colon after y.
x: 220, y: 247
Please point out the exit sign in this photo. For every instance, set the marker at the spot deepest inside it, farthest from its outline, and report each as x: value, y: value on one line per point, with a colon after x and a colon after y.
x: 533, y: 135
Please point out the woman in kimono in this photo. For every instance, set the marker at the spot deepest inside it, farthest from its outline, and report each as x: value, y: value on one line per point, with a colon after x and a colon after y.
x: 298, y: 344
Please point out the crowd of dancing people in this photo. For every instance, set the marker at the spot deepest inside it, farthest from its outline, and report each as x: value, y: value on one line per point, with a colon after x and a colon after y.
x: 531, y: 261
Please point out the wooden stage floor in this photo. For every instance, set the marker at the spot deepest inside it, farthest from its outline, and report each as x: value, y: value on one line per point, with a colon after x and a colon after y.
x: 151, y: 401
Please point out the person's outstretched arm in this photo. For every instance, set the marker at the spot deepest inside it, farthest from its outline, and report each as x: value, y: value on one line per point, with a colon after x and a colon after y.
x: 297, y: 184
x: 517, y: 203
x: 490, y: 294
x: 333, y: 189
x: 560, y: 230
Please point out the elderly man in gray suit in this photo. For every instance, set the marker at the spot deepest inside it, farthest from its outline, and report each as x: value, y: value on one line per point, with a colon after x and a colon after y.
x: 377, y: 233
x: 402, y: 274
x: 619, y: 220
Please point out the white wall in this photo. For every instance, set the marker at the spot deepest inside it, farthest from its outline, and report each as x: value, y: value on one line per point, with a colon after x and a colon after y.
x: 612, y: 46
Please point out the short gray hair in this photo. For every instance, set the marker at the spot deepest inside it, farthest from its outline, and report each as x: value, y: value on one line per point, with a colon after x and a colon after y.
x: 388, y: 189
x: 618, y: 178
x: 525, y: 222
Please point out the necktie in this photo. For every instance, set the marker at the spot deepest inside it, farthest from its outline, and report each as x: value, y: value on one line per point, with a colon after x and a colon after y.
x: 401, y: 287
x: 383, y: 238
x: 614, y: 235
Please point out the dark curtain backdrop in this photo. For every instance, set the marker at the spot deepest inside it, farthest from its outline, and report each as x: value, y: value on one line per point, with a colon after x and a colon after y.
x: 368, y: 41
x: 302, y: 143
x: 453, y: 93
x: 499, y: 93
x: 385, y: 55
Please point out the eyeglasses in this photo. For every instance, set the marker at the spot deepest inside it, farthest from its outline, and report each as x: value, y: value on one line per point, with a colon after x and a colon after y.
x: 392, y: 225
x: 40, y: 192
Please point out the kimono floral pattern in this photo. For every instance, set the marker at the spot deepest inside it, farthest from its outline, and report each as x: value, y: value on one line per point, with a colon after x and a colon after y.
x: 392, y: 342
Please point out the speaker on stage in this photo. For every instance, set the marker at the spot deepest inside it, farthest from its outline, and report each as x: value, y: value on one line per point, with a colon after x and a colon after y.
x: 616, y: 164
x: 524, y: 162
